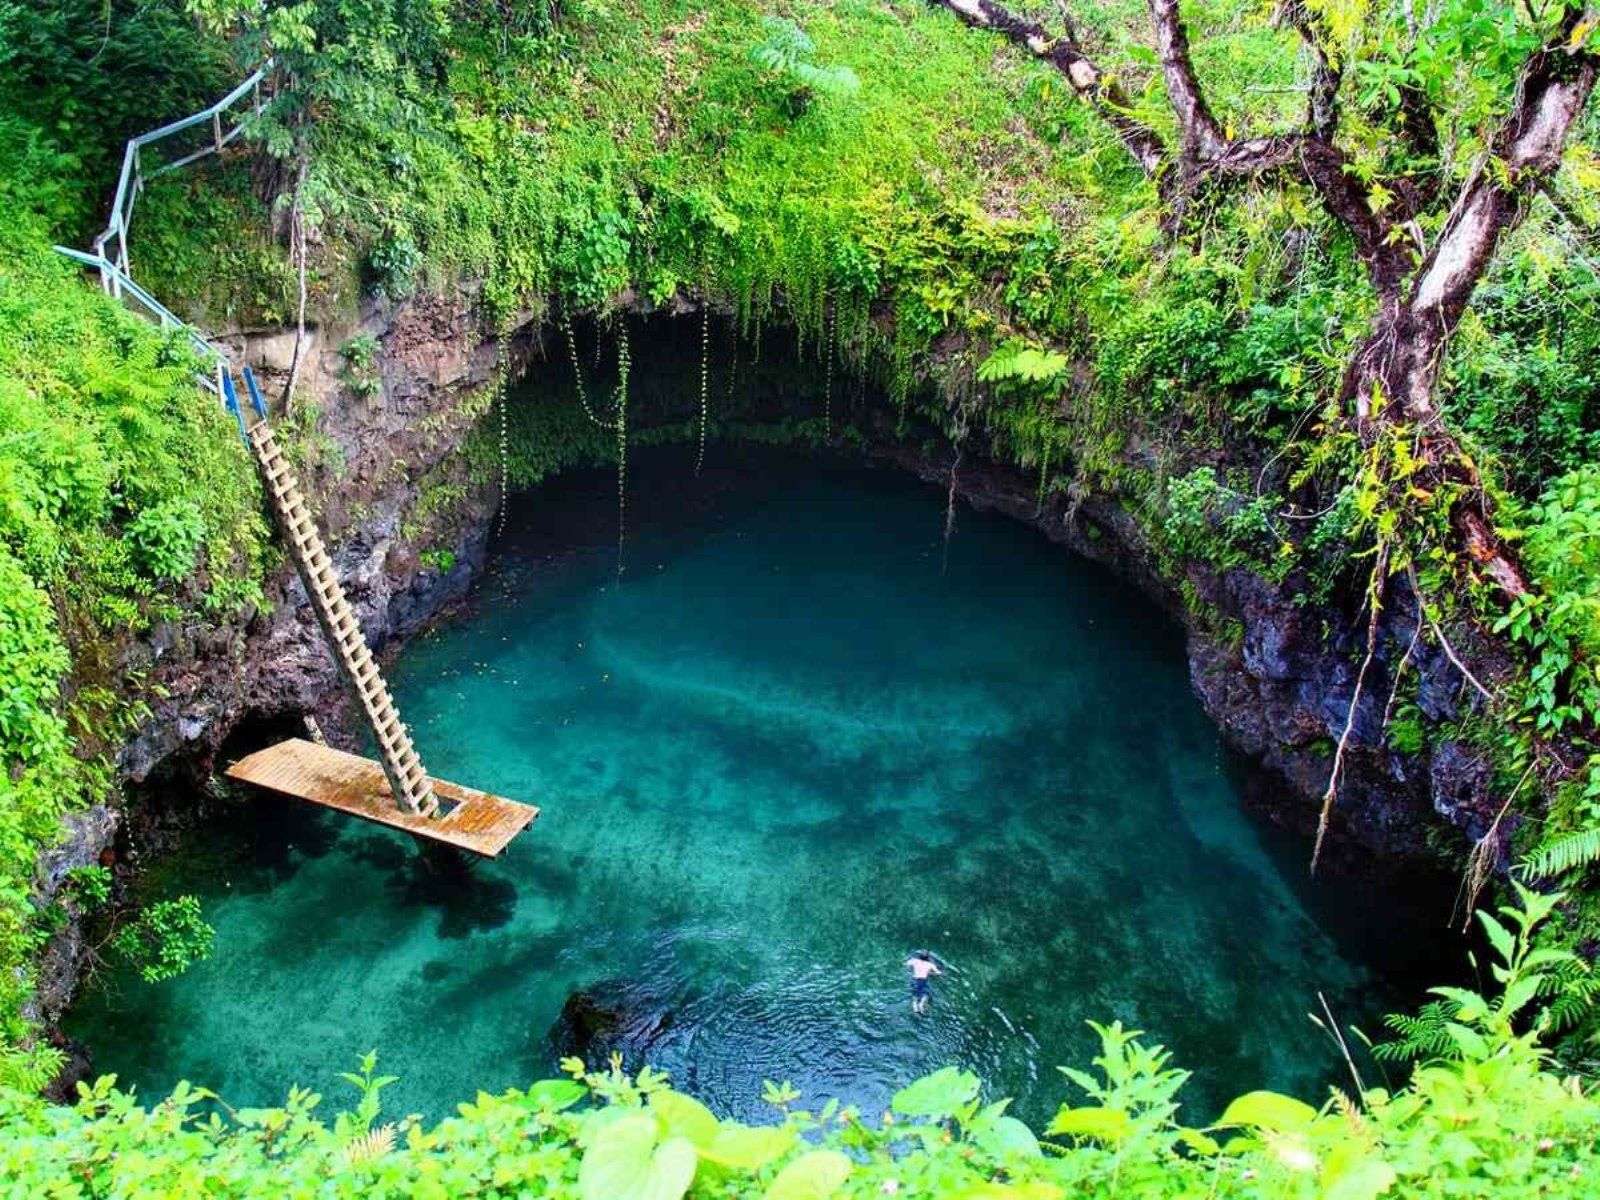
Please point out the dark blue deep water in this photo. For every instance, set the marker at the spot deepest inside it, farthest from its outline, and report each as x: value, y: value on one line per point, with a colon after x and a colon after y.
x: 787, y: 750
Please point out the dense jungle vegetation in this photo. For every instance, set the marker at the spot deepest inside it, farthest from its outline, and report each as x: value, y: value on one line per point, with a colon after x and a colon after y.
x: 1311, y: 288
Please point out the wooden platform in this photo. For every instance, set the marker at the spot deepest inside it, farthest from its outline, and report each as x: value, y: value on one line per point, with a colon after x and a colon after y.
x: 475, y: 821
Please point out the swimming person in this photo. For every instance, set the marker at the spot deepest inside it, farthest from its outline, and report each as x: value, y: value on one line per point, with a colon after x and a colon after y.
x: 922, y: 969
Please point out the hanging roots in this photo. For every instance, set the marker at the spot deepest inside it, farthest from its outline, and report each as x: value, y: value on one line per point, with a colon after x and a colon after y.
x: 577, y: 371
x: 1485, y: 854
x: 705, y: 384
x: 622, y: 444
x: 950, y: 496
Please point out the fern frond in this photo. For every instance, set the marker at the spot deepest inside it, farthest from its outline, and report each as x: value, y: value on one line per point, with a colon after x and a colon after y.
x: 830, y: 81
x: 1422, y: 1036
x: 1577, y: 992
x: 1562, y: 854
x: 373, y: 1144
x: 29, y: 1069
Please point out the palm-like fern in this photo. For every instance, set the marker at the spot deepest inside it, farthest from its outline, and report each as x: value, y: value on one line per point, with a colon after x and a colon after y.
x: 372, y: 1144
x: 1562, y: 854
x: 1421, y: 1036
x: 787, y: 50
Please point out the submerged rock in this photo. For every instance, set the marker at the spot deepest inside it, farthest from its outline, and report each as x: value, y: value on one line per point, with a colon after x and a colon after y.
x: 612, y: 1015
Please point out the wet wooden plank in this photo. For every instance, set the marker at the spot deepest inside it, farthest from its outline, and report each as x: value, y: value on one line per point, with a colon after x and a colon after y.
x: 476, y: 821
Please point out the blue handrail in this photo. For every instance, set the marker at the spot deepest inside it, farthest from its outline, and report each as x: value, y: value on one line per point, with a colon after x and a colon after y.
x: 230, y: 400
x: 256, y: 401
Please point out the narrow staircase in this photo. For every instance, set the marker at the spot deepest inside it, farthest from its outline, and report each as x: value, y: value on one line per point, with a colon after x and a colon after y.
x: 402, y: 766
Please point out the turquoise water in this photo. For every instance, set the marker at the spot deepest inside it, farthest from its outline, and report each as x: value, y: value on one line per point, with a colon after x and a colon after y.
x: 786, y: 751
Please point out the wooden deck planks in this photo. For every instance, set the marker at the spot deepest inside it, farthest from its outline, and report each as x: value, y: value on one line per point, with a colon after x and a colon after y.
x: 478, y: 822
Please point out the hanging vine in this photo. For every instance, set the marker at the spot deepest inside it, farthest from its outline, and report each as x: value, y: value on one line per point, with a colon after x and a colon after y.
x: 829, y: 319
x: 623, y: 361
x: 505, y: 452
x: 577, y: 371
x: 705, y: 384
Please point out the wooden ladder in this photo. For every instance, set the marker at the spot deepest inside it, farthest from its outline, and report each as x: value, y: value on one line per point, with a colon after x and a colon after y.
x: 412, y: 788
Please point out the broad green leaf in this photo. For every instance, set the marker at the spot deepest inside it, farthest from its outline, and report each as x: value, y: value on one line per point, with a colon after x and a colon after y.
x: 746, y: 1147
x: 1472, y: 1043
x: 1499, y: 936
x: 1106, y: 1124
x: 623, y: 1162
x: 555, y: 1094
x: 1471, y: 1005
x: 1199, y: 1142
x: 1269, y: 1110
x: 942, y: 1094
x: 685, y: 1117
x: 1519, y: 994
x: 1352, y: 1173
x: 1004, y: 1137
x: 814, y: 1176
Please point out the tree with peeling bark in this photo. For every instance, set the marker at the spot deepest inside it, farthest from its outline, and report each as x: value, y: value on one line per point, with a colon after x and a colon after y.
x: 1424, y: 135
x: 1425, y: 231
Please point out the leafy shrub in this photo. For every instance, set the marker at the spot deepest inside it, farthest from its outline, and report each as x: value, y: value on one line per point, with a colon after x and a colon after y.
x: 1208, y: 520
x: 392, y: 266
x: 166, y: 939
x: 166, y: 538
x: 1560, y: 622
x: 593, y: 259
x: 786, y: 53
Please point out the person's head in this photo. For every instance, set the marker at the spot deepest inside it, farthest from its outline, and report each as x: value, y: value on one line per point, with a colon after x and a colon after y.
x: 923, y: 955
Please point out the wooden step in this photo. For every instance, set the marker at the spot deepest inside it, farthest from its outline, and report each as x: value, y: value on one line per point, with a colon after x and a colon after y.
x: 478, y: 822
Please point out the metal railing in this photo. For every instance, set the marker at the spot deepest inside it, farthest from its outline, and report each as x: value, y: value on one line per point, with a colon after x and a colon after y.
x: 218, y: 125
x: 222, y: 125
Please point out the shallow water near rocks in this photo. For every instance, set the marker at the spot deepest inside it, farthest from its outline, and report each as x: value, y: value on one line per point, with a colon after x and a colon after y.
x: 786, y: 751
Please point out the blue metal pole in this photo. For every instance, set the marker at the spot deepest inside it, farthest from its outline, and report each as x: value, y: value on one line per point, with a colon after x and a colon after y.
x: 230, y: 399
x: 256, y: 401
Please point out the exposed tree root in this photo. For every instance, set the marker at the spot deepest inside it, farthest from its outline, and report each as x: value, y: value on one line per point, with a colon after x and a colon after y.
x: 1375, y: 593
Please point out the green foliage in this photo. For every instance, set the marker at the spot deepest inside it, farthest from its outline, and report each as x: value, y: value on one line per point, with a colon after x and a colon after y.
x: 165, y: 538
x: 442, y: 561
x: 103, y: 440
x: 1207, y: 520
x: 166, y: 939
x: 90, y: 886
x: 359, y: 356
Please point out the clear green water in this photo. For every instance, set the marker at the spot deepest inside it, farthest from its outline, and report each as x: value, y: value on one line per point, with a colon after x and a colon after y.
x: 785, y: 752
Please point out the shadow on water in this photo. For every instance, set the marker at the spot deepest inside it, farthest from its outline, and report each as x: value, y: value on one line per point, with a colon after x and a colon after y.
x: 784, y: 753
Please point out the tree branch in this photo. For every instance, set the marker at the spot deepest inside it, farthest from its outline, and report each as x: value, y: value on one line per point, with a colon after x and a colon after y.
x: 1066, y: 55
x: 1322, y: 99
x: 1552, y: 90
x: 1202, y: 136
